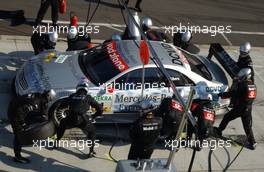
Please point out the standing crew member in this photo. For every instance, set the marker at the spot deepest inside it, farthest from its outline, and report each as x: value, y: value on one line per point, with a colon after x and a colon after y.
x: 79, y: 105
x: 171, y: 111
x: 43, y: 9
x: 41, y: 42
x: 182, y: 39
x: 18, y: 111
x: 244, y: 59
x: 243, y: 96
x: 144, y: 133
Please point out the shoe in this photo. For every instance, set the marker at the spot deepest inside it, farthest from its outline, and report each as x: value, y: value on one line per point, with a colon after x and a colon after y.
x: 21, y: 160
x: 252, y: 146
x: 91, y: 154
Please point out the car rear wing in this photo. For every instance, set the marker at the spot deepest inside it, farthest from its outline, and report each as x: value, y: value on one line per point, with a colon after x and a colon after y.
x: 224, y: 59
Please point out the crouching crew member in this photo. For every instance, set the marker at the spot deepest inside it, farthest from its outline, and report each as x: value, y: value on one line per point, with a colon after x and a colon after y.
x: 19, y: 111
x: 243, y: 95
x: 144, y: 133
x: 45, y: 41
x: 79, y: 105
x: 171, y: 111
x: 76, y: 41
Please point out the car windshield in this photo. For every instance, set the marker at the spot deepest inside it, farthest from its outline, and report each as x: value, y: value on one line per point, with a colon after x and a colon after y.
x: 198, y: 67
x: 101, y: 63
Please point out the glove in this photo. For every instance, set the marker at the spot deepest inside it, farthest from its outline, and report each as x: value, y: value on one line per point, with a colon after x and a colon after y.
x: 25, y: 127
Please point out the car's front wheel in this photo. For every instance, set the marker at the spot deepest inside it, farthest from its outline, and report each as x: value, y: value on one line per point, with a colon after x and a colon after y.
x: 59, y: 111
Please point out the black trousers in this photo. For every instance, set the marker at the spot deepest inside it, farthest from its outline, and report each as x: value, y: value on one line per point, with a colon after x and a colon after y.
x: 137, y: 151
x: 84, y: 124
x: 44, y: 7
x: 138, y: 3
x: 246, y: 117
x: 17, y: 147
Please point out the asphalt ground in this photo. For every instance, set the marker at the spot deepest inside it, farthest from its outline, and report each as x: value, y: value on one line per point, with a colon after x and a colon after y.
x: 246, y: 18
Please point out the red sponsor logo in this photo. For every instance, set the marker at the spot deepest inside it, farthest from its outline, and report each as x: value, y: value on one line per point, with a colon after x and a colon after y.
x: 182, y: 57
x: 208, y: 115
x: 115, y: 57
x: 176, y: 105
x: 252, y: 94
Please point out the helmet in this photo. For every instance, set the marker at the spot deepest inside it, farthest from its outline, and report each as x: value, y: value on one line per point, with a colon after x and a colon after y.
x: 50, y: 94
x: 244, y: 74
x: 116, y: 37
x: 53, y: 37
x: 186, y: 36
x: 146, y: 23
x: 83, y: 84
x: 72, y: 32
x: 245, y: 47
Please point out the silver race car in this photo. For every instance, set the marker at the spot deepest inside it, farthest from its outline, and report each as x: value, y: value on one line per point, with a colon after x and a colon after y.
x: 114, y: 70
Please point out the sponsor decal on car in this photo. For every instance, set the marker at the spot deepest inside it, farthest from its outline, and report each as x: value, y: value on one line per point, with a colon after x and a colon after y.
x: 61, y: 58
x: 49, y: 56
x: 176, y: 56
x: 104, y: 98
x: 134, y: 99
x: 115, y: 57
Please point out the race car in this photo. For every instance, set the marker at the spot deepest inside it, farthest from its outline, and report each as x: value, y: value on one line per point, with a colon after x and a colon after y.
x: 114, y: 71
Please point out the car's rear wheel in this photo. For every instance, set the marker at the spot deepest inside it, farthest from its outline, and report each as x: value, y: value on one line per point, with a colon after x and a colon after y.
x: 59, y: 111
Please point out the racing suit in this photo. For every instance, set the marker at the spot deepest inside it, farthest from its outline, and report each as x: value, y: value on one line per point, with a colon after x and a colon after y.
x: 171, y: 112
x: 18, y: 111
x: 43, y: 9
x: 79, y: 104
x: 79, y: 43
x: 243, y: 96
x: 202, y: 110
x: 244, y: 62
x: 41, y: 43
x: 144, y: 134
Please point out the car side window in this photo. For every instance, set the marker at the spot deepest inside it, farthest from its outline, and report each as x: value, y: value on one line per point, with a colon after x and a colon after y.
x: 180, y: 79
x: 133, y: 79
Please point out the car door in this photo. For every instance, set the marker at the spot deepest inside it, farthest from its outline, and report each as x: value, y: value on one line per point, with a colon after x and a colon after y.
x: 128, y: 89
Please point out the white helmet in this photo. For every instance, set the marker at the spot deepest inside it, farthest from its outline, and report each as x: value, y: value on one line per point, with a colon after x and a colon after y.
x: 245, y: 47
x: 116, y: 37
x: 72, y: 32
x: 146, y: 23
x: 244, y: 74
x: 186, y: 36
x: 53, y: 37
x: 83, y: 84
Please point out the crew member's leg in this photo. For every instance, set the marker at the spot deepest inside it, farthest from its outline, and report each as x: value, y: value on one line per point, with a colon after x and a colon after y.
x: 42, y: 10
x: 137, y: 6
x: 231, y: 115
x: 90, y: 132
x: 54, y: 11
x: 247, y: 125
x: 17, y: 151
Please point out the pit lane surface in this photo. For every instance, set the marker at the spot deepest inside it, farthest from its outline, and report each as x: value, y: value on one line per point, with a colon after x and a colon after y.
x: 246, y: 18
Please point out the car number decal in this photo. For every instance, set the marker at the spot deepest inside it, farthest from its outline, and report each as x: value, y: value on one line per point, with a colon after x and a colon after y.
x: 115, y: 57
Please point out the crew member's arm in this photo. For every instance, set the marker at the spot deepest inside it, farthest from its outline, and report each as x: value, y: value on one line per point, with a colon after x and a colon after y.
x: 98, y: 107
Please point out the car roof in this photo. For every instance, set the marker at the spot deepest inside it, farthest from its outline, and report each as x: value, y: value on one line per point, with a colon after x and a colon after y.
x: 167, y: 53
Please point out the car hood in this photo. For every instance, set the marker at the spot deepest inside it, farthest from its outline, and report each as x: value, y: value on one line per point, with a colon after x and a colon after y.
x: 53, y: 69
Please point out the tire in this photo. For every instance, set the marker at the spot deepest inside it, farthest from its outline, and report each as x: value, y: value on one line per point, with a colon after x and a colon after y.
x: 58, y: 111
x: 37, y: 131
